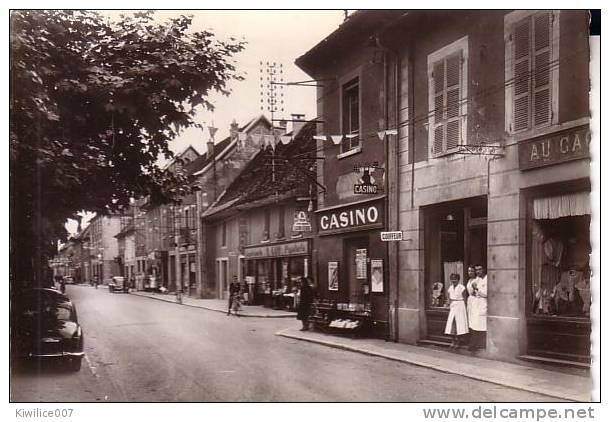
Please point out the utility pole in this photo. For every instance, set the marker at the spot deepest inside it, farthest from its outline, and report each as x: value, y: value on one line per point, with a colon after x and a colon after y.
x: 272, y: 84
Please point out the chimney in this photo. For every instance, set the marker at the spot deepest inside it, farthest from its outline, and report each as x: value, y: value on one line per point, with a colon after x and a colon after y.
x: 234, y: 129
x: 298, y: 121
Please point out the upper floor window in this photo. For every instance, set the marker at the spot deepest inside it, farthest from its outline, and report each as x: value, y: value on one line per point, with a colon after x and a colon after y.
x: 267, y: 224
x: 447, y: 97
x: 224, y: 233
x: 532, y: 53
x: 350, y: 116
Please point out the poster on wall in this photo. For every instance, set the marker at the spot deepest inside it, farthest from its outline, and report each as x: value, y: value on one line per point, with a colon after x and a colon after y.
x: 361, y: 263
x: 333, y: 275
x: 377, y: 275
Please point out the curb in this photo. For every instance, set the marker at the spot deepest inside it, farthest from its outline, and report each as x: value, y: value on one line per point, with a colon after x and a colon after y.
x: 286, y: 333
x: 213, y: 309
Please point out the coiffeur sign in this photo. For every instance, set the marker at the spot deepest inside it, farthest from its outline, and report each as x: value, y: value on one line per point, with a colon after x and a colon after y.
x: 360, y: 216
x: 567, y: 145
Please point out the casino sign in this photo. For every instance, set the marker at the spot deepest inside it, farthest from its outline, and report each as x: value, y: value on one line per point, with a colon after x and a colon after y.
x: 360, y: 216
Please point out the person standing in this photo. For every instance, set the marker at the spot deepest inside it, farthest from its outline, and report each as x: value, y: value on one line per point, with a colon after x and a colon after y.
x: 478, y: 323
x: 470, y: 302
x: 305, y: 301
x: 234, y: 289
x: 457, y: 321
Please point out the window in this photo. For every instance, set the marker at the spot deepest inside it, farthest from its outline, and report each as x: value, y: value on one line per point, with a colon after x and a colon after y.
x: 531, y: 71
x: 350, y: 116
x: 447, y: 96
x: 267, y: 225
x: 281, y: 229
x: 224, y: 233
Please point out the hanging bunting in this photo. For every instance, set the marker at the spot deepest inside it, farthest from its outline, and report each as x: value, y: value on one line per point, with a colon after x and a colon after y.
x: 319, y: 137
x: 391, y: 132
x: 336, y: 139
x: 242, y: 136
x: 381, y: 135
x: 268, y: 140
x: 285, y: 139
x: 212, y: 131
x: 351, y: 135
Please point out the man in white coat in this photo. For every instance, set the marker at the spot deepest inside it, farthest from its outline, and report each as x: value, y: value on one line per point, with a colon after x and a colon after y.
x: 478, y: 317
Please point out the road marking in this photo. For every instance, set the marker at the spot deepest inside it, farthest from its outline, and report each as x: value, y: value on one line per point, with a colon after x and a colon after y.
x: 90, y: 365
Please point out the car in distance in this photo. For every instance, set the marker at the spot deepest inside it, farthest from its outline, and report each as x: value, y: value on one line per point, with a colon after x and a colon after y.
x: 45, y: 326
x: 118, y: 284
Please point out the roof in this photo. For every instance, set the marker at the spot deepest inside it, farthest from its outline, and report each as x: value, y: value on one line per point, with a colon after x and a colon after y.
x: 356, y: 29
x: 255, y: 185
x: 203, y: 160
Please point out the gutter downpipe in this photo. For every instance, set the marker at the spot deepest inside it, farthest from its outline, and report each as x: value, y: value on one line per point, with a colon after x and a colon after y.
x: 395, y: 173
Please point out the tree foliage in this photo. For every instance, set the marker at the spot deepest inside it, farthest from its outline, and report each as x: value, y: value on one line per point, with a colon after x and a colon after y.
x: 94, y: 102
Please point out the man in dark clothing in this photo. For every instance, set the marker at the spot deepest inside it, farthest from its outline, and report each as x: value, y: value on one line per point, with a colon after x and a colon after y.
x: 233, y: 290
x: 305, y: 301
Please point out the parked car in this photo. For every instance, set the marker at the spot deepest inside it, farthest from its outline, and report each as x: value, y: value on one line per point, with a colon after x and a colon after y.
x: 118, y: 284
x: 45, y: 326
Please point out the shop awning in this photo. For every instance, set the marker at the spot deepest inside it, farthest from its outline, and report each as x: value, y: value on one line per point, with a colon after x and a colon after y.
x: 562, y: 206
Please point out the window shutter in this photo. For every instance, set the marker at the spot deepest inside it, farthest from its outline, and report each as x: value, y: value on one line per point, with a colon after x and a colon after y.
x: 542, y: 64
x: 453, y: 78
x: 521, y: 75
x: 438, y: 78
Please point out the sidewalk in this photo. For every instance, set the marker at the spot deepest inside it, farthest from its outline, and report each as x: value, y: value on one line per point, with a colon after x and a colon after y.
x: 218, y: 305
x: 537, y: 380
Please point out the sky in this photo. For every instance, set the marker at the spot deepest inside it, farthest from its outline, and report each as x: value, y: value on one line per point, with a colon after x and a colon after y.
x: 278, y: 36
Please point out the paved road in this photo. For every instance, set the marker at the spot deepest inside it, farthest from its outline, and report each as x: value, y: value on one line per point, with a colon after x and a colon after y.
x: 139, y: 349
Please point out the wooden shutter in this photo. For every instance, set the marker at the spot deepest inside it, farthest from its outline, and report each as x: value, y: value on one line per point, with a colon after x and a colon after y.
x: 521, y: 75
x: 541, y: 69
x: 438, y: 82
x: 452, y: 100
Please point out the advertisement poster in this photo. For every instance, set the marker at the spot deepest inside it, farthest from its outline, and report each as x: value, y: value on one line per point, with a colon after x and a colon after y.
x: 333, y: 275
x: 377, y: 275
x: 361, y: 263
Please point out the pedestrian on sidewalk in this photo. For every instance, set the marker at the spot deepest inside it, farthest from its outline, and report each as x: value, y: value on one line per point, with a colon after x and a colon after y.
x: 234, y: 289
x: 478, y: 320
x: 470, y: 306
x: 305, y: 301
x: 457, y: 321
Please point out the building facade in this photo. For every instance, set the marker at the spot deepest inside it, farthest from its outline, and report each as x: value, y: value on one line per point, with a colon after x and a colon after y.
x: 491, y: 166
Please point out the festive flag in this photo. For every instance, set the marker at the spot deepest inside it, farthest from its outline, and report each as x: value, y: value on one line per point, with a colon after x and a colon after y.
x: 381, y: 135
x: 268, y: 140
x: 212, y: 131
x: 336, y: 139
x: 286, y: 139
x: 319, y: 137
x: 351, y: 135
x: 391, y: 132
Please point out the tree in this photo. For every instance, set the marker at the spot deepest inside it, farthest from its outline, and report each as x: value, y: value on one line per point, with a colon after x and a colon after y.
x: 94, y: 103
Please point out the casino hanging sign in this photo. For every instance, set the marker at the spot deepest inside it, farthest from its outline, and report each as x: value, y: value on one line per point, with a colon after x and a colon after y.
x: 360, y: 216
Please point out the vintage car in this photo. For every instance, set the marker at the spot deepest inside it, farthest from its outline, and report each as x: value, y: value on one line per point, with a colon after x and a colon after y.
x: 45, y: 326
x: 118, y: 284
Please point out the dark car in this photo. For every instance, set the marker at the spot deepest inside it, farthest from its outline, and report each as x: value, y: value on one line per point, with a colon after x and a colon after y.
x: 45, y: 326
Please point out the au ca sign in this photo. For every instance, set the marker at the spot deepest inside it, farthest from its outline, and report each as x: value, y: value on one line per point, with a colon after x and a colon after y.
x: 567, y: 145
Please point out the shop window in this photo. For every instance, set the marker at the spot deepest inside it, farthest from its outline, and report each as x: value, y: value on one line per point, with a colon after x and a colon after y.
x: 350, y: 115
x: 560, y: 249
x: 448, y: 93
x: 532, y: 52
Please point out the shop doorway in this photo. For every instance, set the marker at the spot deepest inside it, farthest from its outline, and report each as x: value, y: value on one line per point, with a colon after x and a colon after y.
x: 222, y: 269
x: 455, y: 236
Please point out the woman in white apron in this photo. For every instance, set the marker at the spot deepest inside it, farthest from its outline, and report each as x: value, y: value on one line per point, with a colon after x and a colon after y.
x: 478, y: 321
x: 470, y: 302
x: 457, y: 310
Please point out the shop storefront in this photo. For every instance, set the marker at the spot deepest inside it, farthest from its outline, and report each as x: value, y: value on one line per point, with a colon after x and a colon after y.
x: 455, y: 237
x: 352, y: 267
x: 274, y: 269
x: 558, y: 248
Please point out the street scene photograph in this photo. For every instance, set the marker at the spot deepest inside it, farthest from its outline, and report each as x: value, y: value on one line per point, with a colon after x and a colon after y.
x: 304, y: 206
